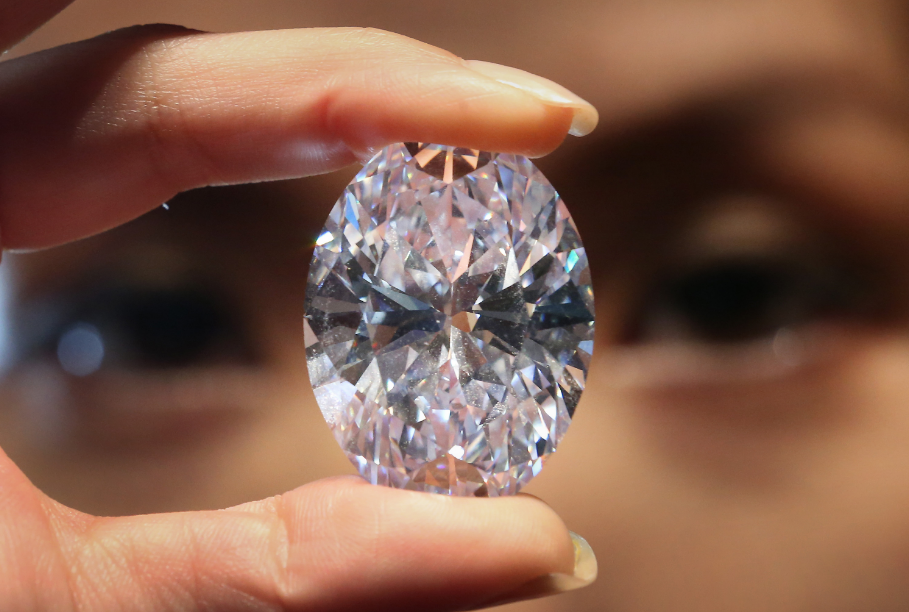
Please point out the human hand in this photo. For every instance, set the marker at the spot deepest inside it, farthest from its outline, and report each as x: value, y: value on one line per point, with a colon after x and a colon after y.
x: 96, y: 133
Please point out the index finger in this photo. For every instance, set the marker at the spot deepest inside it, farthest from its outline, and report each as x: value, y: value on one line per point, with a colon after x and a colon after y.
x: 96, y: 133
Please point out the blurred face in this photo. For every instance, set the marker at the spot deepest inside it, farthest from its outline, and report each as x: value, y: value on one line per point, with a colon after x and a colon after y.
x: 742, y: 441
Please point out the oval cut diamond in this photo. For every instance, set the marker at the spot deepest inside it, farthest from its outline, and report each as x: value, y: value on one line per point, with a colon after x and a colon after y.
x: 449, y: 320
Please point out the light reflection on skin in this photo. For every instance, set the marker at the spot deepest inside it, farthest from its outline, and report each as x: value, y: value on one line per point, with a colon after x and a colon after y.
x: 766, y: 474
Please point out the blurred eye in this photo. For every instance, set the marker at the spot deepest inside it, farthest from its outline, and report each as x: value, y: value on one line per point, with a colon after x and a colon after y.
x: 138, y: 328
x: 737, y: 300
x: 741, y: 277
x: 734, y: 300
x: 172, y: 328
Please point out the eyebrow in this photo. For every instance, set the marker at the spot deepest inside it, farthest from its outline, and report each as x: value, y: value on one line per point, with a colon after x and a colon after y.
x: 647, y: 59
x: 845, y: 148
x: 748, y: 135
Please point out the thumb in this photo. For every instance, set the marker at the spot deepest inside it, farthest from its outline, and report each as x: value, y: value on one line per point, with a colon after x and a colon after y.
x: 336, y: 544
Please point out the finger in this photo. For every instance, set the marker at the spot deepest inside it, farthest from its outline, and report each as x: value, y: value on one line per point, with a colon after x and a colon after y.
x: 95, y: 133
x: 338, y: 544
x: 18, y: 18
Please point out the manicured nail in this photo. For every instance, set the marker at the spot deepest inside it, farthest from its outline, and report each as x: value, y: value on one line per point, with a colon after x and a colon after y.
x: 585, y: 572
x: 585, y: 115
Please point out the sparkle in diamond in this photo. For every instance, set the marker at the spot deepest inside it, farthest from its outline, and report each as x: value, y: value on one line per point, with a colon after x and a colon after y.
x: 449, y: 320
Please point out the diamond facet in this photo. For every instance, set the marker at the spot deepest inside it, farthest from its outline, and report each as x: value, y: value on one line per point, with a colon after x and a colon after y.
x: 449, y: 320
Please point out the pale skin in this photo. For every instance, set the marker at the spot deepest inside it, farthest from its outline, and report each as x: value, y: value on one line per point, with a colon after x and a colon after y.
x: 160, y: 110
x: 767, y: 473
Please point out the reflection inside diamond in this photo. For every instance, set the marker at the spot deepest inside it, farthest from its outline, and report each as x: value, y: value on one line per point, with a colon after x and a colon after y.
x: 449, y: 320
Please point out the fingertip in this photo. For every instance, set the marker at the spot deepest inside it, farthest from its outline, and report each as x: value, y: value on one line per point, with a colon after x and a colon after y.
x: 584, y: 115
x: 555, y: 126
x: 522, y: 532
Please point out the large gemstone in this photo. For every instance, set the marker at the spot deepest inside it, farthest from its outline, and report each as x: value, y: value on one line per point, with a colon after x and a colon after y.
x: 449, y: 320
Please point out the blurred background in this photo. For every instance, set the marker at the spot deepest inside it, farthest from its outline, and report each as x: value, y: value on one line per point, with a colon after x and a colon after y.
x: 160, y: 366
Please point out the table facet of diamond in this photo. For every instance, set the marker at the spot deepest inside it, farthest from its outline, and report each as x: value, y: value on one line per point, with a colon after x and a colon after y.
x: 449, y: 320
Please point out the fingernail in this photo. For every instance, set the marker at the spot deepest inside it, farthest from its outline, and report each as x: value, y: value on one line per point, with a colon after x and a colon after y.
x: 549, y: 92
x: 585, y: 561
x: 585, y: 572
